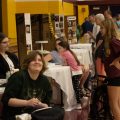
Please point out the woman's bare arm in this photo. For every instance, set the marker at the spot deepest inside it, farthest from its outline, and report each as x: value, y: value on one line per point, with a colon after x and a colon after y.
x: 48, y: 58
x: 116, y: 63
x: 98, y: 44
x: 34, y: 102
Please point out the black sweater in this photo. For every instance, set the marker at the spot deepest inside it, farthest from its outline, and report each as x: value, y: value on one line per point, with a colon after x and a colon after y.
x: 4, y: 67
x: 21, y: 86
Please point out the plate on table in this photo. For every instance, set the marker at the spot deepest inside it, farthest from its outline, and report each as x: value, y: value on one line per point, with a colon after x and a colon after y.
x: 41, y: 109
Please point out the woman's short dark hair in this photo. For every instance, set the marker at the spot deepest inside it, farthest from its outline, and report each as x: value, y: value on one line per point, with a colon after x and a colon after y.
x: 2, y: 36
x: 30, y: 57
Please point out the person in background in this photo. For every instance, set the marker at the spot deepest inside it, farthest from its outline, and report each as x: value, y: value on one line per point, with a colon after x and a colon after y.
x: 108, y: 14
x: 112, y: 64
x: 8, y: 61
x: 95, y: 30
x: 118, y: 21
x: 54, y: 55
x: 99, y: 51
x: 27, y: 89
x: 86, y: 26
x: 78, y: 33
x: 77, y: 69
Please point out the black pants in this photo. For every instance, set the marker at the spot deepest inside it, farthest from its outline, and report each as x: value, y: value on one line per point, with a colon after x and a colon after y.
x: 76, y: 86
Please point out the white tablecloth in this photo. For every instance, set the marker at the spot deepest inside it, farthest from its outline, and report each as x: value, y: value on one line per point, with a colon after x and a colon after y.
x: 84, y: 54
x: 84, y: 50
x: 82, y: 46
x: 62, y: 76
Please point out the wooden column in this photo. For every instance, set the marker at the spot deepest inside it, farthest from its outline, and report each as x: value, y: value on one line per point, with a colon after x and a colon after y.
x: 21, y: 38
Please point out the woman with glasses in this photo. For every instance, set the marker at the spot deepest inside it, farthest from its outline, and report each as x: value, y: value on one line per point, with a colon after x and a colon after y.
x: 8, y: 61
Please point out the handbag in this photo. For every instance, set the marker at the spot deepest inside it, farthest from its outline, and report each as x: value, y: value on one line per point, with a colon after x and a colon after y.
x: 50, y: 113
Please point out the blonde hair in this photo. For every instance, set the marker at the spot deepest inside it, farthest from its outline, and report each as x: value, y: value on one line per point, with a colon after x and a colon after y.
x: 100, y: 17
x: 111, y: 32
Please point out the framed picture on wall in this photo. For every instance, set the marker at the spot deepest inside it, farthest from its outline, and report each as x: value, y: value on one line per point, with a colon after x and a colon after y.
x: 56, y: 25
x: 27, y: 28
x: 59, y: 24
x: 71, y: 23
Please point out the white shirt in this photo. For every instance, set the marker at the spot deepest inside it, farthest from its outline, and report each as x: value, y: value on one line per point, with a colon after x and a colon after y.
x: 9, y: 61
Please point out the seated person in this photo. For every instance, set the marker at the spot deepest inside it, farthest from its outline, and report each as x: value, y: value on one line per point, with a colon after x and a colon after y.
x: 8, y: 61
x: 78, y: 72
x: 54, y: 55
x: 27, y: 89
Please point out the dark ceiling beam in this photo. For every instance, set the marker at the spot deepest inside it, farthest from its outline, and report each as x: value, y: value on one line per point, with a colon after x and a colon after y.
x: 94, y: 2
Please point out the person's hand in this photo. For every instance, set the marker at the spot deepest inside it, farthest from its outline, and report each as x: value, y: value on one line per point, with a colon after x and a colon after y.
x: 34, y: 102
x: 14, y: 70
x: 116, y: 63
x: 82, y: 67
x: 42, y: 105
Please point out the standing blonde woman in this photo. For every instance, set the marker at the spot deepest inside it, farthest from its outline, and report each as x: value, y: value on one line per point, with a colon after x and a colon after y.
x: 112, y: 64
